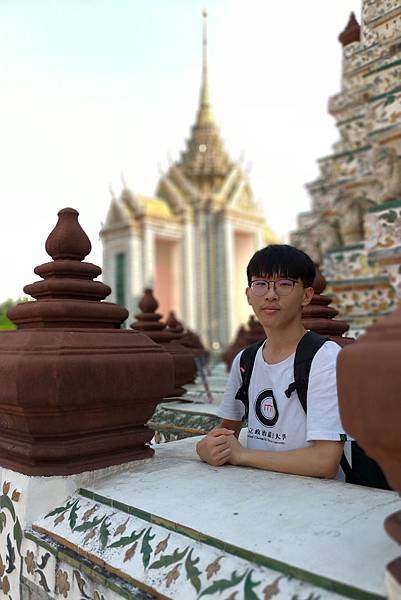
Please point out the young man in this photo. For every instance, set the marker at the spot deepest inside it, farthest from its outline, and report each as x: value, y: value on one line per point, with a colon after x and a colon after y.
x: 281, y: 437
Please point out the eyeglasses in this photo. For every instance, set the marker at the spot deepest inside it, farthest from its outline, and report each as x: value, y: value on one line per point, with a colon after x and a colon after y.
x: 282, y: 287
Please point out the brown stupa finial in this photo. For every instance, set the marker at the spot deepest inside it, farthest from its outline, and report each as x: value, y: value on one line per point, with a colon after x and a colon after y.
x: 150, y: 323
x: 148, y: 303
x: 67, y: 285
x: 352, y: 32
x: 245, y: 337
x: 173, y: 323
x: 255, y: 331
x: 148, y: 320
x: 68, y: 240
x: 319, y: 316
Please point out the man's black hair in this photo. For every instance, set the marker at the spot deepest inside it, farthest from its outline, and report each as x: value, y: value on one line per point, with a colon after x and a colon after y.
x: 283, y: 260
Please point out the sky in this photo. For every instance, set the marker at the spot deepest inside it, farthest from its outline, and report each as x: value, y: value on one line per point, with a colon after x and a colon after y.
x: 93, y: 90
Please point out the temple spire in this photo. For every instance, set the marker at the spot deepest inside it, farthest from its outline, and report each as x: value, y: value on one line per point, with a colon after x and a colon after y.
x: 351, y: 33
x: 204, y: 115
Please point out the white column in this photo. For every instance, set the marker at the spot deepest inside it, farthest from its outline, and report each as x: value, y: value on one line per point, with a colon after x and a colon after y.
x: 108, y: 267
x: 148, y: 257
x: 230, y: 278
x: 188, y: 298
x: 135, y: 273
x: 202, y: 279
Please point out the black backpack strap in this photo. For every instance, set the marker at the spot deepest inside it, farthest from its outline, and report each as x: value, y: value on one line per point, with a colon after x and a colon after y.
x: 307, y: 347
x: 346, y: 467
x: 304, y: 355
x: 247, y: 360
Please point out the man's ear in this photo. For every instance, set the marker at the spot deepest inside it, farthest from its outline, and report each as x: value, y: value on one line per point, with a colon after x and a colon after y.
x: 308, y: 295
x: 247, y: 293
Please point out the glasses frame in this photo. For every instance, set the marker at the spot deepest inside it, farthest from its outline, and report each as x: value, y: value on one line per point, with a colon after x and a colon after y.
x: 274, y: 282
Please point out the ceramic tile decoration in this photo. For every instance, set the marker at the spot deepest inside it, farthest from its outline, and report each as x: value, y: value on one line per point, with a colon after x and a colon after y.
x: 349, y: 262
x: 12, y: 536
x: 146, y: 555
x: 364, y: 170
x: 371, y: 298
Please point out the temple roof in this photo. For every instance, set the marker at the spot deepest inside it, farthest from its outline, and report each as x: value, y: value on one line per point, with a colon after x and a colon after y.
x: 139, y: 205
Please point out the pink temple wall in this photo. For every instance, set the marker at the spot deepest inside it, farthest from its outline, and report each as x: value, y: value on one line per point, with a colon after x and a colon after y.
x: 244, y: 248
x: 168, y: 280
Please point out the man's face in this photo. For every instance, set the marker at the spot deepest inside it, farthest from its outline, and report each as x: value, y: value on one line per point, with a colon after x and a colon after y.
x: 281, y: 303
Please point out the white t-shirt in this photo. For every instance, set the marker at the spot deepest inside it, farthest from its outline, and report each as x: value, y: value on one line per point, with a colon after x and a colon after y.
x: 276, y: 422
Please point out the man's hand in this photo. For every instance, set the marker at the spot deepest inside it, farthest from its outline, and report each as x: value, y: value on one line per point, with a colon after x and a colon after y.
x: 236, y: 451
x: 215, y: 448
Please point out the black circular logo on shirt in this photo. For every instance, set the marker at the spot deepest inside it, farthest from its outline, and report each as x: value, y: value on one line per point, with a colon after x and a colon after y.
x: 266, y: 408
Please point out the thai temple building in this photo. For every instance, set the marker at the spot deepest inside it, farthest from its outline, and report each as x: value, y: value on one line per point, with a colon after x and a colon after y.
x: 353, y: 228
x: 191, y: 242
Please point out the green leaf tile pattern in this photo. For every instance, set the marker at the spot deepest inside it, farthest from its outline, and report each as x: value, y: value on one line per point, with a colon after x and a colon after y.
x: 169, y: 559
x: 127, y: 540
x: 193, y: 571
x: 146, y: 548
x: 220, y: 585
x: 151, y: 553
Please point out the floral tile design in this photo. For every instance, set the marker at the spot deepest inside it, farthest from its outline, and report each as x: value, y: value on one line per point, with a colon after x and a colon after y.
x: 383, y: 227
x: 349, y: 263
x: 11, y: 536
x: 370, y: 300
x: 151, y: 556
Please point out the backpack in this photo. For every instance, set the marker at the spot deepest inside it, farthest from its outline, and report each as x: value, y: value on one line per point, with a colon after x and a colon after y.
x: 364, y: 470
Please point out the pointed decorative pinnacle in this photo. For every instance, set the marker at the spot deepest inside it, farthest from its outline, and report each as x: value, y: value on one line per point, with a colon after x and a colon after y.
x: 204, y: 115
x: 68, y: 240
x: 148, y: 320
x: 352, y: 32
x: 320, y: 317
x: 173, y: 323
x: 148, y: 303
x: 68, y: 296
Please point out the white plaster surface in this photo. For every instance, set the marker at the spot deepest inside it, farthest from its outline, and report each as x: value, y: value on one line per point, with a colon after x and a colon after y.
x: 322, y: 526
x: 41, y: 494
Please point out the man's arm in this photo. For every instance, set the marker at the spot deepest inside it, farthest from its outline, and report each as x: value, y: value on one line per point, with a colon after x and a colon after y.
x: 321, y: 459
x: 214, y: 448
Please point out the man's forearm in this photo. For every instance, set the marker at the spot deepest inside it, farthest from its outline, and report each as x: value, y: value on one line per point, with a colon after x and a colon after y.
x: 314, y: 461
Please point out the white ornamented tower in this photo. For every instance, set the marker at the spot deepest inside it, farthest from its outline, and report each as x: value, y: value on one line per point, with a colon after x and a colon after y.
x: 191, y: 242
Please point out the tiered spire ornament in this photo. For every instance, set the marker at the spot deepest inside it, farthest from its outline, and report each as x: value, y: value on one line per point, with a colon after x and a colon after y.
x: 205, y: 157
x: 189, y: 339
x: 205, y: 115
x: 174, y: 324
x: 320, y: 317
x: 68, y: 296
x: 75, y: 389
x: 150, y: 323
x: 351, y: 33
x: 204, y: 177
x: 245, y: 337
